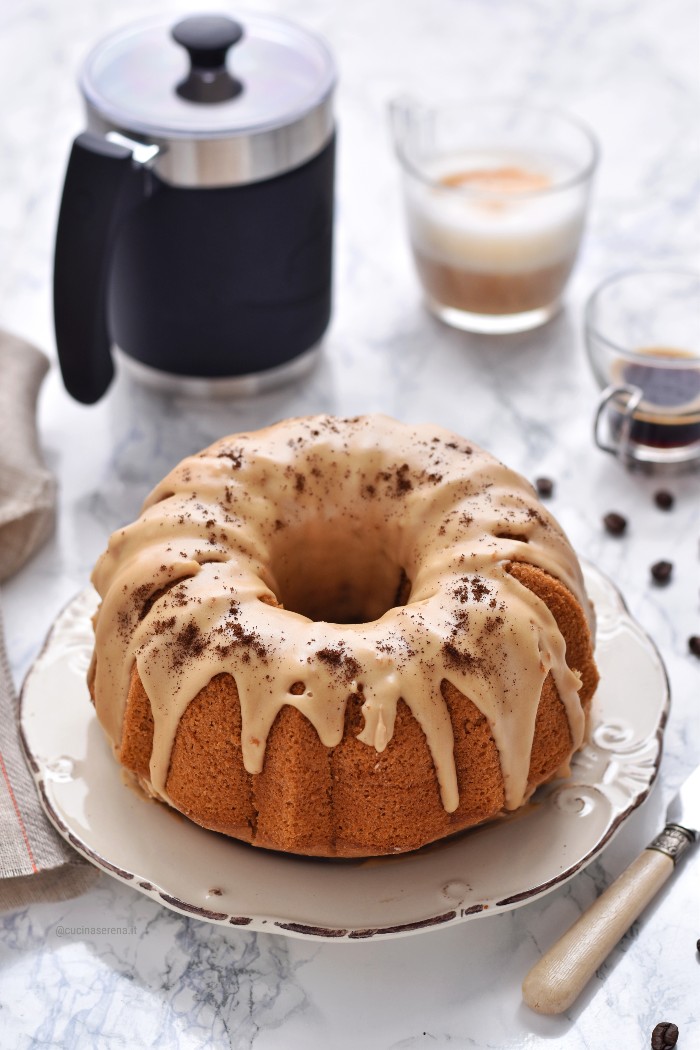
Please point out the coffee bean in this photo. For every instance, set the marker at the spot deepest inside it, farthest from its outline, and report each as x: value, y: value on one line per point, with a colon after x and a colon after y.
x: 694, y: 646
x: 664, y: 499
x: 661, y: 572
x: 664, y: 1036
x: 545, y: 487
x: 615, y: 523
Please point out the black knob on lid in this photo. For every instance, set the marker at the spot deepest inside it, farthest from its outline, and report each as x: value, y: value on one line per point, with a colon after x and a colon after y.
x: 207, y: 38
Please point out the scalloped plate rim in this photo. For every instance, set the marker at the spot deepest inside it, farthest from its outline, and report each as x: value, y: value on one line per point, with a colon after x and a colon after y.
x: 286, y: 925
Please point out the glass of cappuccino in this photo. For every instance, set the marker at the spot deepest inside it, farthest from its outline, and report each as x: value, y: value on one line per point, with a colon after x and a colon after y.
x: 496, y: 197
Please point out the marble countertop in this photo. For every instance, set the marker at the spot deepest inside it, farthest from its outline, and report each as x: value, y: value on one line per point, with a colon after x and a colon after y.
x: 629, y: 68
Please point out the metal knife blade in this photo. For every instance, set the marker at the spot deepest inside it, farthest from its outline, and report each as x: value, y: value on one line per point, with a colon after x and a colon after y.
x: 684, y: 809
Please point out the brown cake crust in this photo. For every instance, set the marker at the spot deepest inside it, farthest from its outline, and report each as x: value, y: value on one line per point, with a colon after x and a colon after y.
x: 347, y: 801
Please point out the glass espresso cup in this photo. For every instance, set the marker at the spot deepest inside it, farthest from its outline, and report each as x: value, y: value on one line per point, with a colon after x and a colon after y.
x: 496, y: 197
x: 643, y: 342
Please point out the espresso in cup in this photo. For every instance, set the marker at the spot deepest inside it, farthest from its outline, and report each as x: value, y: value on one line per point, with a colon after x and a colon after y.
x: 643, y: 340
x: 668, y: 414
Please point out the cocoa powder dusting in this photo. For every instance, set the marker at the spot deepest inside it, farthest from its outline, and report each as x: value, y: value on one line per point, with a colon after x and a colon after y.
x: 161, y: 626
x: 471, y: 588
x: 461, y: 661
x: 188, y: 644
x: 234, y: 454
x: 346, y: 667
x: 480, y: 589
x: 236, y: 637
x: 403, y: 482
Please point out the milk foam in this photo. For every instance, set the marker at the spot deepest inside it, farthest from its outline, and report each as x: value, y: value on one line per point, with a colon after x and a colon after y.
x: 472, y: 229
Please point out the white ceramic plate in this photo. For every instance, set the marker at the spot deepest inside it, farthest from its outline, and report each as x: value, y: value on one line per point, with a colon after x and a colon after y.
x: 493, y: 868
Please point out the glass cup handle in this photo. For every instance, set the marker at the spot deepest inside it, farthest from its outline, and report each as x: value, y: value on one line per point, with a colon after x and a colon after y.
x: 629, y: 398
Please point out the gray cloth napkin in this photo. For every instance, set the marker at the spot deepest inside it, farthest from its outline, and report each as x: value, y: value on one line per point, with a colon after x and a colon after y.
x: 27, y: 490
x: 35, y: 863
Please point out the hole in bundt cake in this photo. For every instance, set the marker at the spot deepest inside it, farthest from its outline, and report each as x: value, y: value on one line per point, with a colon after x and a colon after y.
x: 297, y: 688
x: 519, y: 536
x: 337, y: 573
x: 403, y: 591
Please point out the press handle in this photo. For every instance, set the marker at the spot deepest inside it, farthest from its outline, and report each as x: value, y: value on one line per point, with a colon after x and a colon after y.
x: 103, y: 184
x: 207, y: 39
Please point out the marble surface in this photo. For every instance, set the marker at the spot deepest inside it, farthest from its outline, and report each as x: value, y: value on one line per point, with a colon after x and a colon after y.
x: 630, y: 69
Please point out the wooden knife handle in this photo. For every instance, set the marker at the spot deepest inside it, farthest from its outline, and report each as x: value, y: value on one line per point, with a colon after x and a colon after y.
x: 562, y: 973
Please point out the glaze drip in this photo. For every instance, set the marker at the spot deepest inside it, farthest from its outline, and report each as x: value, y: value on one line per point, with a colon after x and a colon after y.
x: 340, y: 513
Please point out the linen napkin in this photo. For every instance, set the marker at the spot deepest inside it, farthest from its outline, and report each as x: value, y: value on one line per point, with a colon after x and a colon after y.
x: 27, y: 490
x: 35, y: 863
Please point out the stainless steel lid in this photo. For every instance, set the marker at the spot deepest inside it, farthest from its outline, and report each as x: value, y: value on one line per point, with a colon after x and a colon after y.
x: 227, y: 101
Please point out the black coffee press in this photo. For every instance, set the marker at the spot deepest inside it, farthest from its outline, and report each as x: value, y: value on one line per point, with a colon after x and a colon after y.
x: 195, y: 230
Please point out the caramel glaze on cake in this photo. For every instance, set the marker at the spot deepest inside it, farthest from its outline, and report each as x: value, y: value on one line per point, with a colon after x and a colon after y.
x: 342, y: 637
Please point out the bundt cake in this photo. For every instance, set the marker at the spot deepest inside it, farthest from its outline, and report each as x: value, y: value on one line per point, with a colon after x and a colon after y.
x: 342, y: 637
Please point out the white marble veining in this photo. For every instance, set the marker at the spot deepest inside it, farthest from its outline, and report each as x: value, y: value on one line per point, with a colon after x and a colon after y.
x: 629, y: 67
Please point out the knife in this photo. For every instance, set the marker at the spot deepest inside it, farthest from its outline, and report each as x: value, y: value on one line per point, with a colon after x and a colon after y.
x: 562, y: 973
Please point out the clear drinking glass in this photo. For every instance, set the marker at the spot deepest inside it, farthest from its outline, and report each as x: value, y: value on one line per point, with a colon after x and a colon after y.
x: 643, y: 342
x: 496, y: 197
